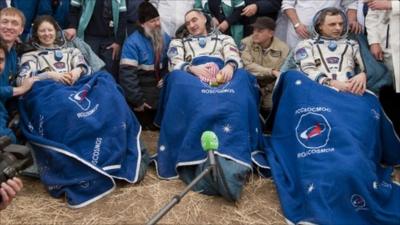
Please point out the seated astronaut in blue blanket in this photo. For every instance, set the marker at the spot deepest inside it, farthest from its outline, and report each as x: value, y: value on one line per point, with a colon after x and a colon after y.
x: 330, y: 58
x: 65, y: 64
x: 213, y: 58
x: 183, y: 54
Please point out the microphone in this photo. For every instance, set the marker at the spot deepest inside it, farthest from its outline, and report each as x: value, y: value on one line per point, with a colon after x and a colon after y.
x: 209, y: 143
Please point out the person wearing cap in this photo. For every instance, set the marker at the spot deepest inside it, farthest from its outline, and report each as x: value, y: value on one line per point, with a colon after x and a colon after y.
x: 143, y: 64
x: 262, y: 55
x: 330, y: 58
x: 101, y: 24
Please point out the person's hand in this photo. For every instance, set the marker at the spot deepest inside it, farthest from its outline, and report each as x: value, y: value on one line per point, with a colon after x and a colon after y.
x: 276, y: 73
x: 223, y: 26
x: 27, y: 84
x: 142, y: 108
x: 227, y: 72
x: 212, y: 68
x: 302, y: 31
x: 376, y: 51
x: 115, y: 50
x: 396, y: 175
x: 358, y: 84
x: 355, y: 27
x: 249, y: 10
x: 70, y: 33
x: 215, y: 22
x: 160, y: 83
x: 73, y: 75
x: 339, y: 85
x: 380, y: 5
x: 8, y: 191
x: 202, y: 72
x: 56, y: 76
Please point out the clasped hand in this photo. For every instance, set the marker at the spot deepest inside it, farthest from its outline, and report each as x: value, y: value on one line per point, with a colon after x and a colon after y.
x: 208, y: 72
x: 66, y: 78
x: 356, y: 85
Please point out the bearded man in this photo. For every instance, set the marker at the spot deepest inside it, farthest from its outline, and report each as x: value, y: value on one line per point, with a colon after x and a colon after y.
x: 143, y: 64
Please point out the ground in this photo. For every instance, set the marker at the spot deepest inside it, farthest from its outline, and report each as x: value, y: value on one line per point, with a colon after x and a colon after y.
x: 137, y: 203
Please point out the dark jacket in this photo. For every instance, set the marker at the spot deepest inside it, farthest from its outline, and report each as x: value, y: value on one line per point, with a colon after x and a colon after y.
x: 137, y: 69
x: 269, y: 8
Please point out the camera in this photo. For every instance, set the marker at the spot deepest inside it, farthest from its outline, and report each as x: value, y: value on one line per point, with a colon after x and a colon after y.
x: 13, y: 159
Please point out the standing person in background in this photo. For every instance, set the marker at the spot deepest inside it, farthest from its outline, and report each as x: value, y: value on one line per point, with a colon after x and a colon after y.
x: 382, y: 23
x: 171, y: 12
x: 59, y: 9
x: 300, y: 14
x: 101, y: 24
x: 257, y: 8
x: 143, y: 64
x: 225, y: 15
x: 131, y: 15
x: 263, y: 55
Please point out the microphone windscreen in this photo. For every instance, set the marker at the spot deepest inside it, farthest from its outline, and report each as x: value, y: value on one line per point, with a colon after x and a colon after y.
x: 209, y: 141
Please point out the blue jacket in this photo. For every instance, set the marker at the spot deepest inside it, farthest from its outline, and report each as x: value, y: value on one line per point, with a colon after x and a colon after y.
x: 137, y: 74
x: 10, y: 70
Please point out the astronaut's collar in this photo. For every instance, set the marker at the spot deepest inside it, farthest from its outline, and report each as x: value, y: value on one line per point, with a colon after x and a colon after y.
x: 38, y: 46
x: 329, y: 38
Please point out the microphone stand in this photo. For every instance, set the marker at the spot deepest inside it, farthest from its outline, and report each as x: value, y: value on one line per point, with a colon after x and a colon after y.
x: 177, y: 198
x: 209, y: 142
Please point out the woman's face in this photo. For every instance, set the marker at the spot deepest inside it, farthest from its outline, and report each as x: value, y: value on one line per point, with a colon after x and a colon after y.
x: 47, y: 34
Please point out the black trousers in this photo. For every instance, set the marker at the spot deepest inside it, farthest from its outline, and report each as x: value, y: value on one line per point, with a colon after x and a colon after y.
x: 99, y: 46
x: 390, y: 101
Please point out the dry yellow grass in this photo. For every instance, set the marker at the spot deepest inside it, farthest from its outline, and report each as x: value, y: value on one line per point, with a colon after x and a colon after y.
x: 135, y: 204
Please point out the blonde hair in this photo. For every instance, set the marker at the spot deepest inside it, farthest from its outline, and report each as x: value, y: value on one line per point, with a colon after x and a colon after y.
x: 11, y: 11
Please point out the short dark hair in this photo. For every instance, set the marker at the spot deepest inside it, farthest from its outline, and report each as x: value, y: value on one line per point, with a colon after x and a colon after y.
x: 209, y: 25
x: 320, y: 17
x: 264, y: 23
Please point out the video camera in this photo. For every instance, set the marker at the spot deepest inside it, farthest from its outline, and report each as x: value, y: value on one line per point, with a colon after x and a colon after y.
x: 13, y: 159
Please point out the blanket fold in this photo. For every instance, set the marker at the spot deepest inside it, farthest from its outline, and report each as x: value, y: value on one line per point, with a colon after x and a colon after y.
x: 327, y: 152
x: 84, y: 136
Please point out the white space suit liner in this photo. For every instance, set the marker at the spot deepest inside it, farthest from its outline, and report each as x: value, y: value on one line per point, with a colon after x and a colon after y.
x: 322, y: 57
x: 182, y: 52
x: 60, y: 58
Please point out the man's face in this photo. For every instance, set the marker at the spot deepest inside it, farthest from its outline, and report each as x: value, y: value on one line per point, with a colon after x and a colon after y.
x: 2, y: 60
x: 332, y: 27
x: 152, y: 24
x: 196, y: 23
x: 10, y: 27
x: 261, y: 36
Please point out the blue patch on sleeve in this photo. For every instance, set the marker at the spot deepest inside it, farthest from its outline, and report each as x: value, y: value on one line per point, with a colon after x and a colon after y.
x: 301, y: 54
x: 173, y: 51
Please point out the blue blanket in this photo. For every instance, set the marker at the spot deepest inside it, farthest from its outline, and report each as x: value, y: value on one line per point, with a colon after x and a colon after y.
x: 84, y: 136
x: 188, y: 107
x: 327, y: 152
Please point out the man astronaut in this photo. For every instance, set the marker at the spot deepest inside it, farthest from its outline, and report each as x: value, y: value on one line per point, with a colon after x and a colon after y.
x: 184, y: 54
x: 330, y: 58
